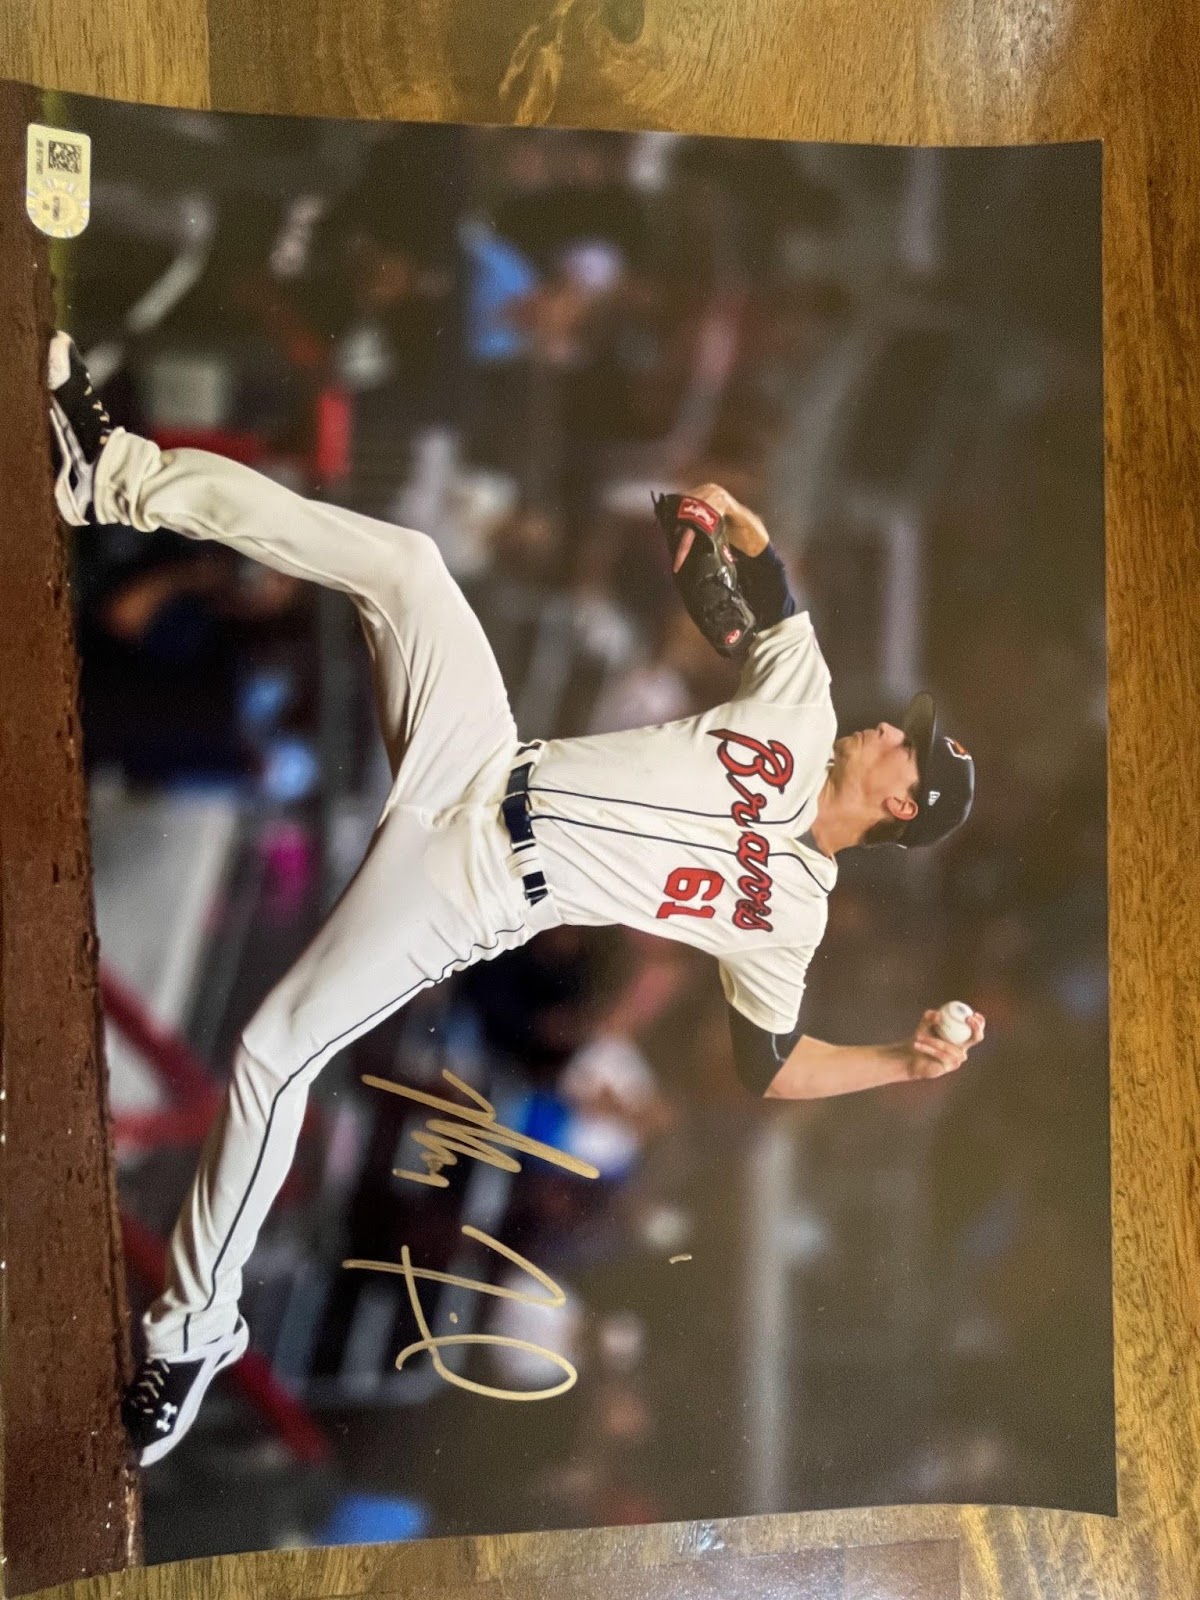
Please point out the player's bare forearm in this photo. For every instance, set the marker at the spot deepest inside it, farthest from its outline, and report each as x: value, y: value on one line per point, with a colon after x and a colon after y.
x: 815, y: 1070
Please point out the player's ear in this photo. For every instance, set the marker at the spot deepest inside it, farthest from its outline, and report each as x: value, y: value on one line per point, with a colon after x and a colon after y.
x: 903, y: 808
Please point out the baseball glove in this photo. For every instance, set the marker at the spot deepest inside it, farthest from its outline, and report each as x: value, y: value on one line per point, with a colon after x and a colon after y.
x: 708, y: 578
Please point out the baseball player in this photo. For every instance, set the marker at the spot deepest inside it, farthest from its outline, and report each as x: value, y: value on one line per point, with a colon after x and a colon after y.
x: 720, y: 830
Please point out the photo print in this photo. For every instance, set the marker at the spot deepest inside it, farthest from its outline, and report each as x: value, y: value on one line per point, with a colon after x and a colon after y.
x: 592, y: 684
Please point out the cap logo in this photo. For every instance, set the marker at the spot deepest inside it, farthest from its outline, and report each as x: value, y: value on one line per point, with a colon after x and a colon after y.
x: 957, y: 749
x: 934, y: 796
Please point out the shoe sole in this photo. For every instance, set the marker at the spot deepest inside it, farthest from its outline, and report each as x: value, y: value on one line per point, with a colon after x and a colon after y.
x: 58, y: 360
x: 73, y: 484
x: 74, y: 474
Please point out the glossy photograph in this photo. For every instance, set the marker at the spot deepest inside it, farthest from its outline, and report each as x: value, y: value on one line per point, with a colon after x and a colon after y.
x: 592, y: 696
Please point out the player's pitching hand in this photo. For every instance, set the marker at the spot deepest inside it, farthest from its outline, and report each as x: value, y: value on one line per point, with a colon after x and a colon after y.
x: 743, y: 528
x: 931, y: 1056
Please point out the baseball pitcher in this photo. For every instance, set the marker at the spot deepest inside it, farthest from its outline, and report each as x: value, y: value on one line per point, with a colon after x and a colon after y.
x: 721, y: 830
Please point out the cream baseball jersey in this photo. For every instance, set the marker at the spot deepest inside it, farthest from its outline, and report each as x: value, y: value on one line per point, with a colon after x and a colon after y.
x: 695, y: 829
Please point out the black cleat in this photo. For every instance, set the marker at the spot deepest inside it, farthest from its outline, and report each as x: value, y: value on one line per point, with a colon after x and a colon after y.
x: 161, y: 1403
x: 81, y: 427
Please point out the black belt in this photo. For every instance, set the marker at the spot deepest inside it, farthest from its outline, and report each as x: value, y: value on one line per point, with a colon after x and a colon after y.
x: 514, y: 808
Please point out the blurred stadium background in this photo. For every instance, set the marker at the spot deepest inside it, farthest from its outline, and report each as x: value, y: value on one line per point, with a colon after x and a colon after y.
x: 508, y: 338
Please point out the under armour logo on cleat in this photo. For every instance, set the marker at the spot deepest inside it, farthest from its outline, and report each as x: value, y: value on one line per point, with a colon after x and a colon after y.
x: 164, y: 1422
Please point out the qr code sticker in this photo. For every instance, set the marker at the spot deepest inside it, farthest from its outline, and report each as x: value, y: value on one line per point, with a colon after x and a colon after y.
x: 64, y: 157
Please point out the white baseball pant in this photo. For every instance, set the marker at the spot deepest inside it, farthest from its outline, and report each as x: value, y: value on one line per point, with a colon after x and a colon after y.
x: 438, y: 889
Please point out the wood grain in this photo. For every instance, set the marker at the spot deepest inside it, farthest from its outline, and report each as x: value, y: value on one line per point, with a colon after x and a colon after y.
x: 907, y: 71
x: 130, y: 49
x: 752, y: 1559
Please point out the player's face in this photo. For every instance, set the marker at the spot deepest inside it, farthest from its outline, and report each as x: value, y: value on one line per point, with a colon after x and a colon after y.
x: 877, y: 764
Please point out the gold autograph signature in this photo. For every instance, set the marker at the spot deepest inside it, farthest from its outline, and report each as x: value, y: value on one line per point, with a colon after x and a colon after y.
x: 553, y: 1297
x: 472, y: 1130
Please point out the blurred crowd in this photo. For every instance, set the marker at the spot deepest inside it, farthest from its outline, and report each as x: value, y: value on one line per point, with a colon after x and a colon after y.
x: 509, y: 339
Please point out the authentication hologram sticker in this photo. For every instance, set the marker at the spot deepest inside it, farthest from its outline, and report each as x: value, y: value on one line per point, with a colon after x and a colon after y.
x: 58, y: 180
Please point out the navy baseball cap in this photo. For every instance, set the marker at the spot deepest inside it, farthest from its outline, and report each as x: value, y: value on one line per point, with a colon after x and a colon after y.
x: 947, y: 777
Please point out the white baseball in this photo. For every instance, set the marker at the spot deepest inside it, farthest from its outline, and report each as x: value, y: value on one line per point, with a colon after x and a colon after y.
x: 953, y: 1022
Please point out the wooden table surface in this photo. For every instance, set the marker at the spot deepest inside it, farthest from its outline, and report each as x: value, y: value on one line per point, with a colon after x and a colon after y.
x: 901, y: 71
